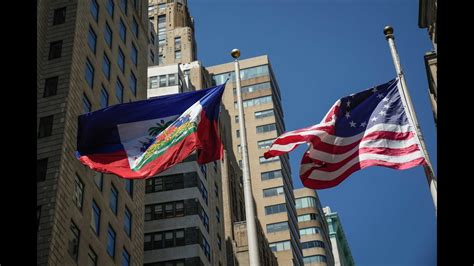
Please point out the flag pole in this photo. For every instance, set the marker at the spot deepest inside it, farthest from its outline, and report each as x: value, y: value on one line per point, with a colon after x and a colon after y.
x: 430, y: 175
x: 248, y: 198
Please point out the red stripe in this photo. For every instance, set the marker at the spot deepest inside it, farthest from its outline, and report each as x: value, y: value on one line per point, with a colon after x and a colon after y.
x: 331, y: 167
x: 322, y: 184
x: 209, y: 145
x: 117, y: 162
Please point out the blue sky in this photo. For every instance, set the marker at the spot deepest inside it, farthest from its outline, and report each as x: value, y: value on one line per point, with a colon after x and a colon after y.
x: 321, y: 51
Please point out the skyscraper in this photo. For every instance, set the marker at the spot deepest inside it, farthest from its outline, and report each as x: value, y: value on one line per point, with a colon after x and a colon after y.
x: 340, y: 247
x: 272, y: 185
x: 314, y: 231
x: 90, y: 54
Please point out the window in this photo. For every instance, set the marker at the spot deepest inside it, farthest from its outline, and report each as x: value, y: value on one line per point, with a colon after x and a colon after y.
x: 203, y: 190
x: 172, y: 79
x: 41, y: 169
x: 125, y: 257
x: 160, y: 59
x: 108, y: 35
x: 135, y: 27
x: 119, y: 91
x: 75, y: 233
x: 110, y: 7
x: 162, y: 80
x: 307, y: 217
x: 177, y: 43
x: 255, y: 101
x: 134, y: 54
x: 218, y: 215
x: 133, y: 83
x: 279, y: 246
x: 86, y: 104
x: 219, y: 242
x: 104, y: 97
x: 92, y: 257
x: 314, y: 259
x: 106, y: 66
x: 50, y: 86
x: 152, y: 56
x: 128, y: 222
x: 161, y: 27
x: 312, y: 244
x: 237, y: 133
x: 95, y: 221
x: 99, y: 180
x: 121, y: 60
x: 122, y: 31
x: 245, y: 74
x: 55, y: 50
x: 92, y: 40
x: 269, y: 160
x: 265, y: 144
x: 266, y: 128
x: 263, y: 114
x: 89, y: 74
x: 272, y: 209
x: 111, y: 241
x: 59, y: 16
x: 78, y: 192
x: 177, y: 54
x: 305, y: 202
x: 45, y: 126
x: 271, y: 175
x: 161, y: 43
x: 236, y: 119
x: 161, y: 7
x: 129, y: 186
x: 270, y: 192
x: 310, y: 231
x: 153, y: 82
x: 179, y: 209
x: 277, y: 227
x: 123, y: 6
x: 216, y: 190
x: 94, y: 6
x: 254, y: 87
x: 113, y: 199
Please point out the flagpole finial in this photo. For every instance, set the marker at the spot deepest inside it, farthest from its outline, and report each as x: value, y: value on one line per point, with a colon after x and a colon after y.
x: 388, y: 31
x: 235, y: 53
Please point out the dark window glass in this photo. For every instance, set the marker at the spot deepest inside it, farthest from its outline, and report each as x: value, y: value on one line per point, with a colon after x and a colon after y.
x: 104, y: 97
x: 128, y: 222
x: 45, y: 126
x: 106, y: 66
x: 74, y: 238
x: 78, y: 192
x: 92, y: 39
x: 87, y: 106
x: 92, y: 257
x: 129, y: 186
x: 41, y: 169
x: 119, y: 91
x: 94, y: 6
x: 110, y: 7
x: 125, y: 258
x: 122, y: 31
x: 113, y: 199
x: 50, y: 86
x: 55, y: 49
x: 135, y: 27
x: 95, y: 221
x: 99, y: 180
x: 134, y: 54
x: 108, y: 35
x: 89, y: 74
x: 121, y: 60
x: 123, y: 6
x: 111, y: 241
x: 59, y: 16
x: 133, y: 83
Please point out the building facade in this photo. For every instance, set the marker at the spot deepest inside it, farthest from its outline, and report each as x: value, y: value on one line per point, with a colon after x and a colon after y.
x: 175, y: 29
x: 313, y: 228
x: 90, y: 55
x: 427, y: 19
x: 272, y: 185
x: 340, y: 247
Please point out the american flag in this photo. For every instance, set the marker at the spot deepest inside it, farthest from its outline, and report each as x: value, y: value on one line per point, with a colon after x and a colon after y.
x: 369, y: 128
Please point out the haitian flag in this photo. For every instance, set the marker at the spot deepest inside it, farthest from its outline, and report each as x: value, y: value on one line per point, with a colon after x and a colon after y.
x: 141, y: 139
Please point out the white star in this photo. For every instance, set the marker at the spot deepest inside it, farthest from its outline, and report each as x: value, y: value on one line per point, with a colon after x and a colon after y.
x: 382, y: 112
x: 374, y: 119
x: 352, y: 95
x: 386, y: 106
x: 348, y: 103
x: 374, y: 90
x: 352, y: 124
x: 379, y: 96
x: 347, y: 115
x: 363, y: 124
x: 385, y: 99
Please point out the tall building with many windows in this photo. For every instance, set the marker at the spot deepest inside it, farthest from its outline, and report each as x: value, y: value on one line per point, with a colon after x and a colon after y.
x: 272, y: 185
x: 314, y: 231
x: 175, y: 28
x: 90, y: 54
x: 340, y: 247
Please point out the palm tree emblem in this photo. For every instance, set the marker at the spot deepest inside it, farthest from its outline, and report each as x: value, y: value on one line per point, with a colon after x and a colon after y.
x: 155, y: 131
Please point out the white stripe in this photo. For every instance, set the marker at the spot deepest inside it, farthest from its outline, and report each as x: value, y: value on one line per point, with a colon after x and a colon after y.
x: 333, y: 140
x: 326, y: 176
x: 375, y: 143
